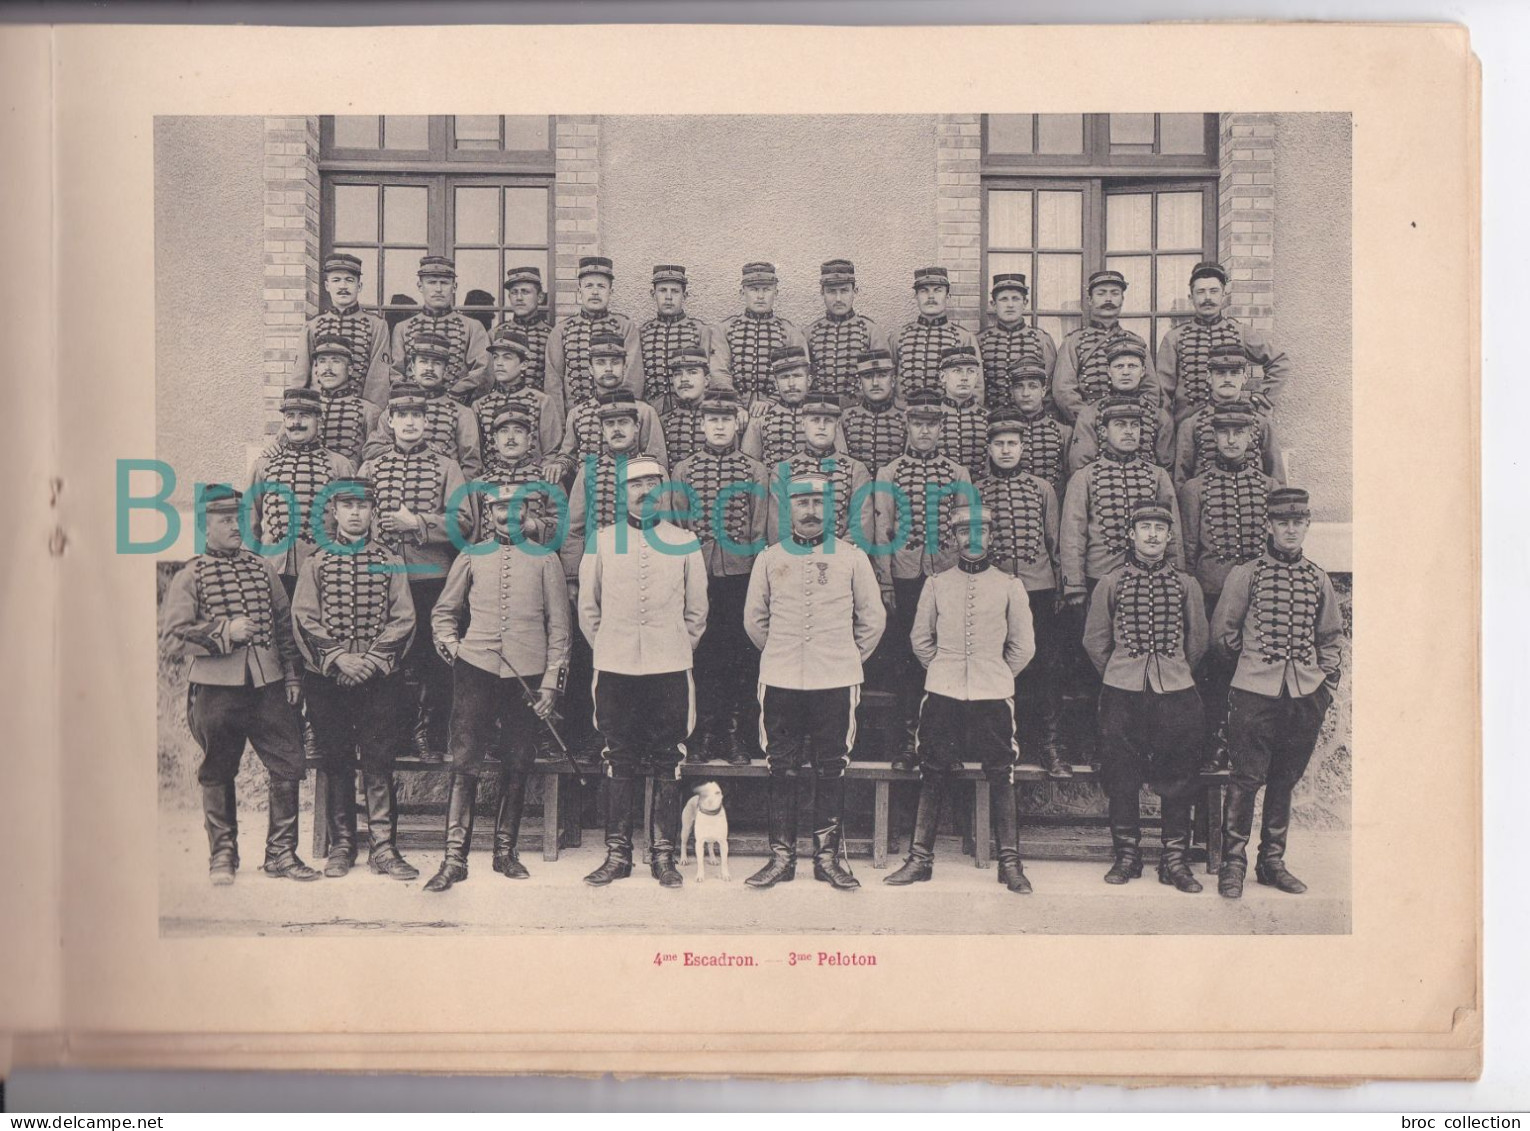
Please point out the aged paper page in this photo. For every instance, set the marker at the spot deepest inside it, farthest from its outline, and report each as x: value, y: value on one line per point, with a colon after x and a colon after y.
x: 1396, y: 995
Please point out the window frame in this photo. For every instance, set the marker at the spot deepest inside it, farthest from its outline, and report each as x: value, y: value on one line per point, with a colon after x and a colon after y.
x: 1097, y: 161
x: 440, y: 172
x: 1096, y: 188
x: 441, y: 157
x: 1091, y: 218
x: 1209, y: 233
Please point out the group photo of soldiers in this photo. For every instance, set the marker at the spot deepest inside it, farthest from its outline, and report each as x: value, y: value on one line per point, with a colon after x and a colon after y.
x: 641, y: 541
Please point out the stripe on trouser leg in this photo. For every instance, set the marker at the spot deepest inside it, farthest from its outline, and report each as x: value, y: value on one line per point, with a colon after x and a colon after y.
x: 855, y: 702
x: 1014, y: 741
x: 605, y: 751
x: 759, y: 694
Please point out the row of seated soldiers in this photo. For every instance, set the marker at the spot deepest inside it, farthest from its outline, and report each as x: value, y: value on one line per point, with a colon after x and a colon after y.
x: 917, y: 411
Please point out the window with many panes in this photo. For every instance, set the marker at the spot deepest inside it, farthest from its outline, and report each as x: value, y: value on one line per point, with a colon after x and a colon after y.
x: 477, y: 188
x: 1065, y: 195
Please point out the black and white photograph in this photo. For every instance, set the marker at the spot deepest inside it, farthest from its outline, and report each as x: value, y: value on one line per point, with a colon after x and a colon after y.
x: 803, y: 525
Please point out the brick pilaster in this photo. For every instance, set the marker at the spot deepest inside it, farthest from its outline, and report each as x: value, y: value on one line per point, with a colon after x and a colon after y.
x: 291, y: 290
x: 958, y: 213
x: 1246, y: 215
x: 576, y: 202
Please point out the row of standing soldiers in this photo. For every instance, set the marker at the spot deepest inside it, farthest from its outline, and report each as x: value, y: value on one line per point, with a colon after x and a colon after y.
x: 921, y: 414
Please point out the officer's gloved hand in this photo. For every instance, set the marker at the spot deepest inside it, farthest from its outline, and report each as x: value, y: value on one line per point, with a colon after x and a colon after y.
x: 1074, y: 598
x: 889, y: 600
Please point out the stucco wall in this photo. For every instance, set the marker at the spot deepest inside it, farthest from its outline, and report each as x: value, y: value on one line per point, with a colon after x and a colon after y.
x: 713, y: 192
x: 1312, y: 303
x: 209, y: 318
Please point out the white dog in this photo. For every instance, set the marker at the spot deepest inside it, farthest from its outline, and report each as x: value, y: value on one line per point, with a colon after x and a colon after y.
x: 706, y: 814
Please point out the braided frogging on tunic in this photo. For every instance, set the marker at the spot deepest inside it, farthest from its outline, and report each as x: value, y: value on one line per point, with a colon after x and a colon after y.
x: 236, y: 585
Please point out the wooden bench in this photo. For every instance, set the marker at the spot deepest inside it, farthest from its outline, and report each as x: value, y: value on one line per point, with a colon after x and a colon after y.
x: 549, y: 772
x: 881, y: 776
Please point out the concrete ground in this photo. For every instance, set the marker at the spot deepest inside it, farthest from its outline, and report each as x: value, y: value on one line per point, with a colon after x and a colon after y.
x: 961, y: 899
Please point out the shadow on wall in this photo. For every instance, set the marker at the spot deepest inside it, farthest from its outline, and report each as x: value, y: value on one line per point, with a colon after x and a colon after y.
x: 1322, y: 799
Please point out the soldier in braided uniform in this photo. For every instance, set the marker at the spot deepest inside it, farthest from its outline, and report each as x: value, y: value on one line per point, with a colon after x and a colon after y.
x: 593, y: 497
x: 682, y: 420
x: 1145, y: 633
x: 226, y: 611
x: 1094, y: 533
x: 364, y: 333
x: 348, y: 417
x: 874, y: 426
x: 466, y: 370
x: 581, y: 429
x: 1095, y: 528
x: 918, y: 347
x: 1046, y: 438
x: 1224, y: 512
x: 774, y: 434
x: 1081, y: 374
x: 838, y: 339
x: 354, y: 620
x: 528, y: 314
x: 450, y: 426
x: 1010, y: 341
x: 509, y: 355
x: 516, y: 607
x: 512, y: 460
x: 914, y: 494
x: 423, y: 515
x: 570, y: 360
x: 964, y: 436
x: 286, y: 480
x: 1188, y: 347
x: 725, y: 501
x: 972, y: 632
x: 1024, y: 544
x: 672, y: 331
x: 820, y: 449
x: 1279, y: 616
x: 1195, y: 445
x: 1127, y: 360
x: 753, y: 336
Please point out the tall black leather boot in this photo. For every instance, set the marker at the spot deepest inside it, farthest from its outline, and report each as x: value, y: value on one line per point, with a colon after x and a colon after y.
x: 664, y: 833
x: 382, y: 828
x: 920, y: 864
x: 1271, y: 869
x: 1174, y: 865
x: 737, y: 753
x: 340, y: 804
x: 282, y: 835
x: 507, y: 826
x: 420, y: 733
x: 618, y: 864
x: 231, y: 807
x: 781, y: 818
x: 1006, y: 828
x: 828, y: 836
x: 222, y: 839
x: 1125, y: 839
x: 459, y: 834
x: 1237, y: 827
x: 1052, y: 750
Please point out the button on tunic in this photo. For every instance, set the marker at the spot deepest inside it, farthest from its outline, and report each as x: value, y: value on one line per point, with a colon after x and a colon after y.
x: 973, y: 632
x: 816, y: 615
